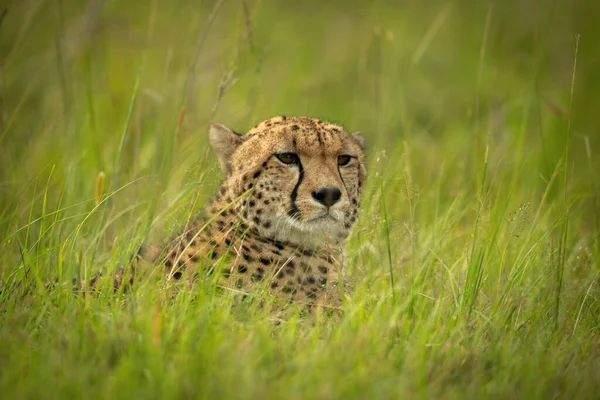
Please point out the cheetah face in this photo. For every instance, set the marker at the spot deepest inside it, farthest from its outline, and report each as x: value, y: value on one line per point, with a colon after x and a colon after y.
x: 297, y: 179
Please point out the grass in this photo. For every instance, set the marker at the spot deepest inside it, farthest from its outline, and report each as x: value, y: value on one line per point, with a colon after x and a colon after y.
x: 474, y: 264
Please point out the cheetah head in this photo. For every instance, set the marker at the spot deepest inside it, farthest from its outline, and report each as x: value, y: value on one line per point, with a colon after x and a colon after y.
x: 296, y: 179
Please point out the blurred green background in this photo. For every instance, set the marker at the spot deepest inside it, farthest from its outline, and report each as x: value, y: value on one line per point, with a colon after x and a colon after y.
x: 475, y: 259
x: 395, y: 70
x: 129, y: 89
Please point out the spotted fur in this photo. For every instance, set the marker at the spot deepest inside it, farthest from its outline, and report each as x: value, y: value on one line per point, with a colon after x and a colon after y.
x: 274, y: 225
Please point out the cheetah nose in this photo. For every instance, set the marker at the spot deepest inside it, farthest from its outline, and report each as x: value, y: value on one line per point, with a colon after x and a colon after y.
x: 327, y: 196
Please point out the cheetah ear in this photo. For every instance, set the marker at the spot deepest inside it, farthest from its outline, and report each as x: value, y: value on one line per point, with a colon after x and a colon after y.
x: 224, y: 141
x: 359, y: 139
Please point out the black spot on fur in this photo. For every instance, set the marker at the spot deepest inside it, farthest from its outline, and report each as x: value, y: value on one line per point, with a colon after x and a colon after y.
x: 247, y: 257
x: 265, y: 261
x: 328, y: 258
x: 322, y: 269
x: 177, y: 275
x: 288, y: 290
x: 256, y: 277
x: 242, y: 268
x: 256, y: 174
x: 295, y: 128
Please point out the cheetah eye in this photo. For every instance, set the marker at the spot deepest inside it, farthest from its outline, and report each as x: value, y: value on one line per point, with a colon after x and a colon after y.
x: 343, y: 160
x: 287, y: 158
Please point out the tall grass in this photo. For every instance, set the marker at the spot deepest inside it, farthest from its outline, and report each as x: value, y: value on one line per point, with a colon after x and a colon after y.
x: 473, y: 269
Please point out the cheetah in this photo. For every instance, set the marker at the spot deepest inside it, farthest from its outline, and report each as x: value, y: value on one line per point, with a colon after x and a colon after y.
x: 287, y: 202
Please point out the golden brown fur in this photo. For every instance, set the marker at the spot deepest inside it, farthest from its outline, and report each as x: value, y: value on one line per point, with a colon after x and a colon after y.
x: 272, y: 224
